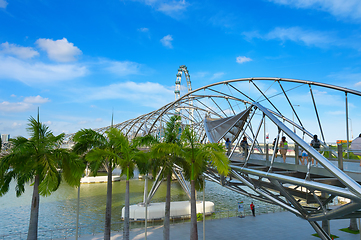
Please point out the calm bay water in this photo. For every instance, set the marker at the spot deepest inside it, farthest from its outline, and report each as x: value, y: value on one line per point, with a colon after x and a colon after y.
x: 59, y: 209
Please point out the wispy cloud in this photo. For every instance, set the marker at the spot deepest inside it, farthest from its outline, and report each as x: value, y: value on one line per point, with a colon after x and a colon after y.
x: 217, y: 75
x: 297, y: 34
x: 38, y: 72
x: 336, y: 112
x: 15, y: 107
x: 3, y: 3
x: 339, y: 8
x: 350, y: 78
x: 36, y: 99
x: 59, y: 50
x: 171, y: 8
x: 143, y: 29
x: 26, y: 105
x: 145, y: 94
x: 167, y: 41
x: 124, y: 68
x: 243, y: 59
x: 18, y: 51
x: 197, y: 75
x: 29, y: 71
x: 224, y: 19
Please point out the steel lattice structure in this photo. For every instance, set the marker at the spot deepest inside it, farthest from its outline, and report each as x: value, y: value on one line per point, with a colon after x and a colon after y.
x: 252, y: 107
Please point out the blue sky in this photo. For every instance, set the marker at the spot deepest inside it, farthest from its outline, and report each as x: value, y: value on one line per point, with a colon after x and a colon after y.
x: 79, y: 61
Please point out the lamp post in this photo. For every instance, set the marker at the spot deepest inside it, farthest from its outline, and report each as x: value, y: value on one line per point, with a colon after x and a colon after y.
x: 351, y: 128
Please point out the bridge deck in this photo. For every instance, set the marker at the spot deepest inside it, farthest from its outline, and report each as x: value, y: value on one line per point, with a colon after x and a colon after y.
x: 292, y: 166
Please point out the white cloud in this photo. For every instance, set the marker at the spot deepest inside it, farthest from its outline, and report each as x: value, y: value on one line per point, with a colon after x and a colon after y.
x: 339, y: 8
x: 336, y: 112
x: 173, y: 7
x: 124, y: 68
x: 18, y: 51
x: 167, y: 41
x: 15, y: 107
x: 217, y: 75
x: 59, y: 50
x: 3, y: 3
x: 16, y: 124
x: 146, y: 94
x: 143, y: 29
x: 26, y: 105
x: 349, y: 77
x: 36, y: 99
x: 197, y: 75
x: 297, y: 34
x: 12, y: 95
x: 38, y: 72
x: 243, y: 59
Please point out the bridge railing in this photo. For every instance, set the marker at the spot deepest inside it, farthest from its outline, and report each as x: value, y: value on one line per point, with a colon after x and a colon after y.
x: 345, y: 159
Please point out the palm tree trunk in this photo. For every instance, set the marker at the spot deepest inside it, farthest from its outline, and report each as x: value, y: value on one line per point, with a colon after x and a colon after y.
x: 126, y: 212
x: 34, y: 213
x: 108, y: 209
x: 194, y: 230
x: 167, y: 210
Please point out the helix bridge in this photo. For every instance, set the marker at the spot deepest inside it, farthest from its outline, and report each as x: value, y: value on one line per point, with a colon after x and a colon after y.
x: 258, y: 108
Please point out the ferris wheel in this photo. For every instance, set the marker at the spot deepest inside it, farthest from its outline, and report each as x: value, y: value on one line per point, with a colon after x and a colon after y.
x: 177, y: 91
x: 182, y: 69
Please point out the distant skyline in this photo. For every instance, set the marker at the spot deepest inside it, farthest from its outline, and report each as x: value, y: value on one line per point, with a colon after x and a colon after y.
x: 79, y: 62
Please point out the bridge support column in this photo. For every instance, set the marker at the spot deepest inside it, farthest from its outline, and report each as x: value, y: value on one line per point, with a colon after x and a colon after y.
x: 296, y: 154
x: 340, y: 157
x: 267, y: 154
x: 321, y: 233
x: 325, y: 223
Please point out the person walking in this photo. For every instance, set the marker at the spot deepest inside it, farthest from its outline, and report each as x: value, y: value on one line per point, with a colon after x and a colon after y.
x: 316, y: 144
x: 228, y: 146
x: 274, y: 143
x: 283, y: 148
x: 304, y: 157
x: 244, y: 146
x: 253, y: 209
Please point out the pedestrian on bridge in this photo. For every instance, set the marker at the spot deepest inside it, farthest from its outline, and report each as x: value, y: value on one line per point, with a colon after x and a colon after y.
x: 304, y: 157
x: 244, y: 146
x: 283, y: 148
x: 276, y: 151
x: 228, y: 146
x: 316, y: 144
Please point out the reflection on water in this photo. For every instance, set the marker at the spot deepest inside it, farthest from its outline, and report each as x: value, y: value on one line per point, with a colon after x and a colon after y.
x: 59, y: 209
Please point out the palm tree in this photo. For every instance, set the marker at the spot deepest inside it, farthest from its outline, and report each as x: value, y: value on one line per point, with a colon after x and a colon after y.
x: 37, y: 160
x: 164, y: 156
x: 112, y: 150
x: 98, y: 150
x: 129, y: 158
x: 198, y: 156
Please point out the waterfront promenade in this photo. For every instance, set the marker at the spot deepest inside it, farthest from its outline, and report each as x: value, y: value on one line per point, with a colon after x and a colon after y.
x: 283, y: 225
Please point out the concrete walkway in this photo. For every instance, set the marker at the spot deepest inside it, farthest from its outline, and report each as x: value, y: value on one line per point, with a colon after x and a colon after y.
x: 282, y: 225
